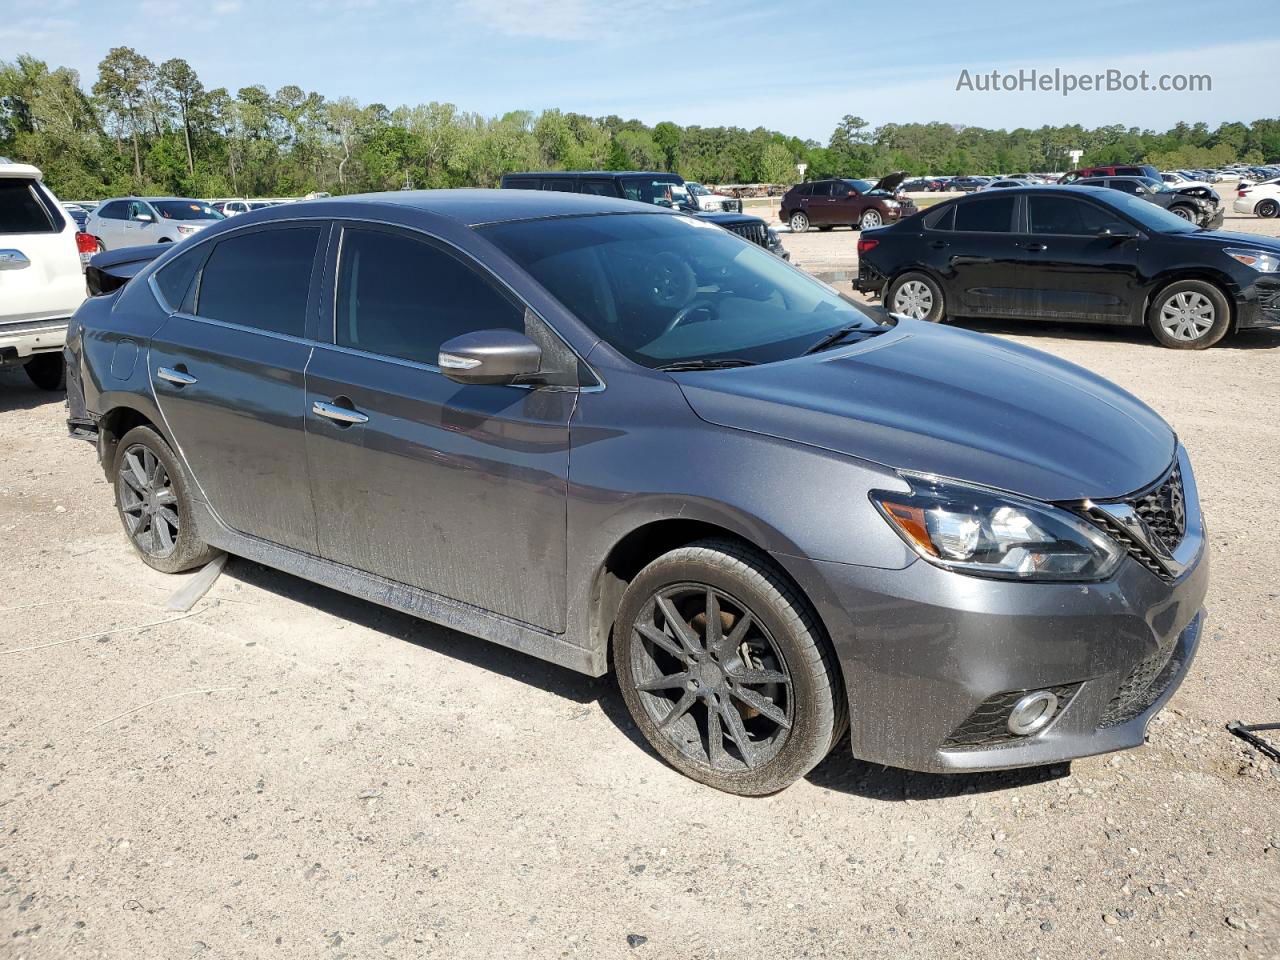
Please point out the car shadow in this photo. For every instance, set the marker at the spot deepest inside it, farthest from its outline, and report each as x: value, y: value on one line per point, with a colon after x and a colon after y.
x: 17, y: 392
x: 844, y: 773
x: 839, y: 772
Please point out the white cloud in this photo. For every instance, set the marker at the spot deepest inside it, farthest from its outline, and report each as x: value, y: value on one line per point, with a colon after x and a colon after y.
x: 223, y: 7
x: 579, y: 19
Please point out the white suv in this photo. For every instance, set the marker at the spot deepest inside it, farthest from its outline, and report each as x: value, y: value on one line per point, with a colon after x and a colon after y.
x: 134, y: 221
x: 41, y: 280
x: 704, y: 199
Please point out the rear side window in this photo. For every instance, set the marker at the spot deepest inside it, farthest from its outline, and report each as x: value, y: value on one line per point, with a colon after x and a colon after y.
x: 944, y: 219
x: 561, y: 184
x: 116, y: 210
x: 260, y: 280
x: 989, y: 215
x: 804, y: 190
x: 23, y: 209
x: 403, y: 298
x: 175, y: 278
x: 599, y: 188
x: 526, y: 183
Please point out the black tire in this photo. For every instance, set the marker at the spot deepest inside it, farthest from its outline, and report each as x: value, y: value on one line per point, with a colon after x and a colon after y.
x: 910, y: 284
x: 1189, y: 315
x: 826, y: 229
x: 798, y: 221
x: 1267, y: 208
x: 701, y: 685
x: 1183, y: 211
x: 47, y: 371
x: 156, y: 503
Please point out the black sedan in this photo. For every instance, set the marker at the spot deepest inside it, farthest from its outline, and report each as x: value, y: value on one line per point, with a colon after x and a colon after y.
x: 1074, y: 253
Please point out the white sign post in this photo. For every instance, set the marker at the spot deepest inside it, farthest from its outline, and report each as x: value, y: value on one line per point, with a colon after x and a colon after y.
x: 1075, y: 156
x: 802, y: 167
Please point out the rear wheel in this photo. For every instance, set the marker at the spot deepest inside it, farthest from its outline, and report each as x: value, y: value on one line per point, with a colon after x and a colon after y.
x: 47, y: 371
x: 916, y: 295
x: 725, y: 669
x: 1267, y: 208
x: 155, y: 505
x: 870, y: 218
x: 1189, y: 315
x: 799, y: 222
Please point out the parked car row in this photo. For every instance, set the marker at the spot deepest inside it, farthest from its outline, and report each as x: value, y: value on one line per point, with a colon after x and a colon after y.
x: 616, y: 437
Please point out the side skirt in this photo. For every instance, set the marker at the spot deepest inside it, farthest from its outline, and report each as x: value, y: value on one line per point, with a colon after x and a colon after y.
x: 399, y: 596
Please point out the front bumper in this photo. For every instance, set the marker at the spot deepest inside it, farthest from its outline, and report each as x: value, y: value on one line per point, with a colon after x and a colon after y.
x: 1215, y: 219
x: 932, y: 660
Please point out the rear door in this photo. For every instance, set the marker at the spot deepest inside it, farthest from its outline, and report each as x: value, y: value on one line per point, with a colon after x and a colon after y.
x: 108, y: 223
x: 981, y: 257
x: 458, y: 490
x: 40, y: 274
x: 227, y: 371
x: 818, y: 203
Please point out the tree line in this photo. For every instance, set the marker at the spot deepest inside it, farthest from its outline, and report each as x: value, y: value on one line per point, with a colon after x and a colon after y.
x: 149, y: 128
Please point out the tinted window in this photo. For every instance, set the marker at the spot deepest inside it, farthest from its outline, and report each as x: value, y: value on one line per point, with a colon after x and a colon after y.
x: 174, y: 278
x: 1129, y: 171
x: 189, y: 210
x: 260, y: 279
x: 520, y: 184
x: 991, y: 215
x: 116, y: 210
x: 822, y: 189
x: 944, y: 219
x: 563, y: 185
x: 22, y: 210
x: 1071, y: 216
x: 661, y: 191
x: 599, y: 188
x: 804, y: 190
x: 403, y: 297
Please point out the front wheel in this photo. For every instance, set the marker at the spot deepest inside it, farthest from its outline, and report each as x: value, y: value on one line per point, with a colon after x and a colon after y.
x: 1186, y: 213
x: 799, y: 222
x: 155, y: 505
x: 870, y: 219
x: 1268, y: 209
x: 1189, y: 315
x: 916, y: 295
x: 725, y: 669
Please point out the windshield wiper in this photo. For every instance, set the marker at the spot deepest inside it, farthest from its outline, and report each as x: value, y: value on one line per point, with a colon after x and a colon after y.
x: 836, y: 336
x: 706, y: 364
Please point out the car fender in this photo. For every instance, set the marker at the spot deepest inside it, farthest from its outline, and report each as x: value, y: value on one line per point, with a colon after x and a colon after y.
x: 1190, y: 271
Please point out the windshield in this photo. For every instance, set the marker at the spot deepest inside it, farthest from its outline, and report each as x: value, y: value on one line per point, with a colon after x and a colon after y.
x: 186, y: 210
x: 1149, y: 214
x: 697, y: 189
x: 664, y: 191
x: 862, y: 186
x: 663, y: 289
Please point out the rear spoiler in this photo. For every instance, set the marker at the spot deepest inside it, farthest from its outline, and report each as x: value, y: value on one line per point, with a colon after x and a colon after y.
x: 112, y: 269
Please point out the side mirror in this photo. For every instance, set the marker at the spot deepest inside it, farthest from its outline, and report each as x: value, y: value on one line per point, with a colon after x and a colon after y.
x: 142, y: 217
x: 489, y: 356
x: 852, y: 193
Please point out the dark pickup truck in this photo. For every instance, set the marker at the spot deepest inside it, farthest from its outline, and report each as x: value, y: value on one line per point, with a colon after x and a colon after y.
x: 663, y: 189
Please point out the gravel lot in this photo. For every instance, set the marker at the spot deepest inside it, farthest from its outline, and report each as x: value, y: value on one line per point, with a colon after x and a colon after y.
x: 289, y: 772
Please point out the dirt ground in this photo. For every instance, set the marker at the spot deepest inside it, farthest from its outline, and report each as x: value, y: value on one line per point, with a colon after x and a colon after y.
x: 289, y: 772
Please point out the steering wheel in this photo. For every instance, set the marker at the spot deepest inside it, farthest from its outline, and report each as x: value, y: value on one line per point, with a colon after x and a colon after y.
x: 671, y: 281
x: 685, y: 312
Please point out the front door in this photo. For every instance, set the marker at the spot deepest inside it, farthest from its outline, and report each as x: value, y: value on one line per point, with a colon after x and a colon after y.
x: 458, y: 490
x: 980, y: 255
x: 228, y: 377
x: 1074, y: 262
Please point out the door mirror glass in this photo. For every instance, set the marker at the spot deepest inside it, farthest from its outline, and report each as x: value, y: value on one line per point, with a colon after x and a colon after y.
x: 489, y: 356
x: 142, y: 217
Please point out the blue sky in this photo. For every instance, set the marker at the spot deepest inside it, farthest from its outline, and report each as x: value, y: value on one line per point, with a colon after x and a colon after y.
x: 797, y: 66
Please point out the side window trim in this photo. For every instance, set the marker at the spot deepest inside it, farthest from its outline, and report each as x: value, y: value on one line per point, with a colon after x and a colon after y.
x: 1096, y: 207
x: 328, y: 319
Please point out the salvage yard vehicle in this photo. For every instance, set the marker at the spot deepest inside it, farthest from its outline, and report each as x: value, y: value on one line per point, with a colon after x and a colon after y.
x: 705, y: 199
x: 667, y: 190
x: 616, y: 436
x: 41, y: 279
x: 1260, y: 199
x: 135, y: 221
x: 861, y: 204
x: 1074, y: 253
x: 1145, y: 170
x: 1189, y: 203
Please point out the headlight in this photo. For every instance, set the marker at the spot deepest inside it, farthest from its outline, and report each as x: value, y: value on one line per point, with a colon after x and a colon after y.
x: 186, y: 231
x: 774, y: 240
x: 892, y: 204
x: 1260, y: 260
x: 988, y: 534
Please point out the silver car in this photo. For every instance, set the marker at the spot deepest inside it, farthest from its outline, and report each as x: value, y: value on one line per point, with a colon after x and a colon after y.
x: 135, y: 221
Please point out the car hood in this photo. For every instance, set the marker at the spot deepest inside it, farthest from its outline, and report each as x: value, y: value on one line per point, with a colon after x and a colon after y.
x: 890, y: 183
x: 1256, y: 240
x: 953, y: 403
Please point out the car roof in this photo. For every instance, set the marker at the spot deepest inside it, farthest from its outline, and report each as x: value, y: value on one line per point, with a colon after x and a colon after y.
x: 473, y: 207
x: 20, y: 170
x: 590, y: 173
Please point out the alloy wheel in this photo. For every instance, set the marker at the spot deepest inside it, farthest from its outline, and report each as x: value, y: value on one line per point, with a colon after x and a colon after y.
x: 1268, y: 208
x: 1182, y: 212
x: 799, y: 223
x: 1187, y: 315
x: 913, y: 299
x: 148, y: 502
x: 711, y: 677
x: 871, y: 218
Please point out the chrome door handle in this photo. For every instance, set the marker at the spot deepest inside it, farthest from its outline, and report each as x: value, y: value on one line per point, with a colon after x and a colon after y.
x: 180, y: 377
x: 341, y: 414
x: 13, y: 260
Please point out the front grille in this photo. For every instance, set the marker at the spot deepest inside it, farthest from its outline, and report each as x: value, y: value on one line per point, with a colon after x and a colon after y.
x: 1162, y: 508
x: 757, y: 233
x: 988, y: 726
x: 1144, y: 683
x: 733, y: 206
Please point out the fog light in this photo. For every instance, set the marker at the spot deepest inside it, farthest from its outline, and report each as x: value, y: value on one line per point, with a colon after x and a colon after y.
x: 1032, y: 713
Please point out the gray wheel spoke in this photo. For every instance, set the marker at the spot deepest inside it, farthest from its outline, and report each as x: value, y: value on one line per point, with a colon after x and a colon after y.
x: 715, y: 738
x: 138, y: 474
x: 169, y: 516
x: 738, y: 732
x: 684, y: 633
x: 715, y: 629
x: 660, y: 639
x: 762, y: 704
x: 679, y: 710
x: 757, y: 677
x: 733, y: 640
x: 670, y: 682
